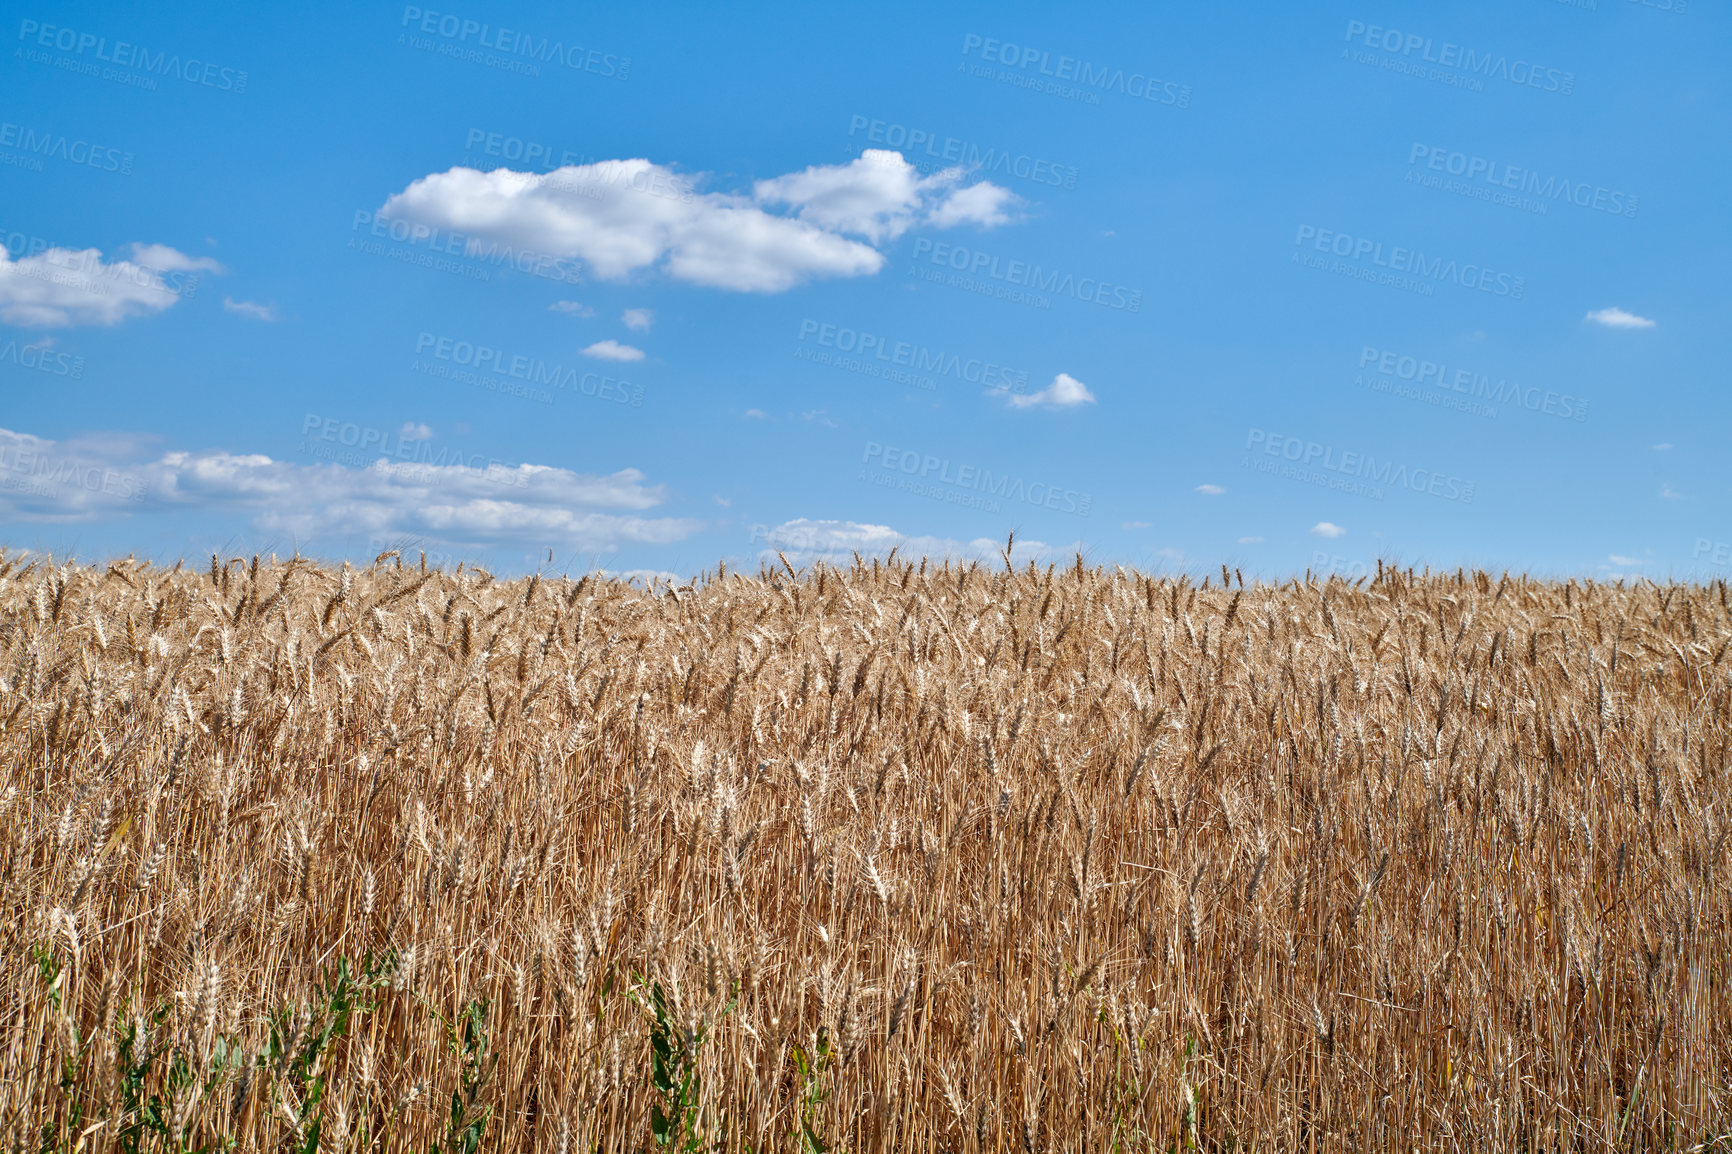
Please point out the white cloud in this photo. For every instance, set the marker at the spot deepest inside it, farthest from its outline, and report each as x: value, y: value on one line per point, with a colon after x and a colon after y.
x: 803, y: 541
x: 415, y: 431
x: 624, y: 216
x: 161, y: 256
x: 1135, y: 525
x: 756, y: 415
x: 252, y: 309
x: 1670, y: 493
x: 571, y: 308
x: 457, y: 505
x: 1250, y: 540
x: 983, y: 204
x: 1210, y: 490
x: 61, y: 286
x: 645, y: 577
x: 612, y: 350
x: 818, y: 417
x: 1328, y: 529
x: 881, y: 195
x: 1662, y: 447
x: 1627, y: 562
x: 1065, y: 392
x: 638, y: 320
x: 1617, y: 318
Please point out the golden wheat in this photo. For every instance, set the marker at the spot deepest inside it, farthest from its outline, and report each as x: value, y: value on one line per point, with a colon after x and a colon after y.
x: 894, y: 857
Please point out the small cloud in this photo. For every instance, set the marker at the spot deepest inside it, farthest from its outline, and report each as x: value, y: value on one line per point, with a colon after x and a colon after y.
x: 1135, y: 525
x: 1065, y: 392
x: 1108, y: 232
x: 648, y: 578
x: 724, y: 502
x: 638, y: 320
x: 161, y: 256
x: 1617, y: 318
x: 61, y: 287
x: 986, y: 205
x: 1170, y: 554
x: 756, y: 415
x: 258, y: 312
x: 804, y: 540
x: 820, y: 417
x: 1250, y: 540
x: 571, y: 308
x: 415, y: 431
x: 1628, y: 562
x: 1662, y: 447
x: 1210, y: 490
x: 1670, y: 493
x: 612, y: 350
x: 1328, y: 529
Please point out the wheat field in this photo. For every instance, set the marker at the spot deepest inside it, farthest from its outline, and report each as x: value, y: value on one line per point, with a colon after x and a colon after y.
x: 896, y: 856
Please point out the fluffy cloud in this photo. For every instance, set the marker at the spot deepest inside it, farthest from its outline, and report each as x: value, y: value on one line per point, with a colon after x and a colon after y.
x: 638, y: 320
x: 1328, y: 529
x: 455, y: 504
x: 983, y: 204
x: 1210, y: 490
x: 623, y: 216
x: 1065, y: 392
x: 161, y: 256
x: 804, y: 541
x: 880, y: 196
x: 60, y: 287
x: 1617, y: 318
x: 571, y: 308
x: 612, y: 350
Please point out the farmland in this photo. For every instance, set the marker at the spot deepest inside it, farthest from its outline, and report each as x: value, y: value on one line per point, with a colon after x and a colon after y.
x: 898, y: 855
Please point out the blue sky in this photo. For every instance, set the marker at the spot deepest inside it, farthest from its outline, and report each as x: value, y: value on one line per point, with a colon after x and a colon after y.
x: 645, y: 287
